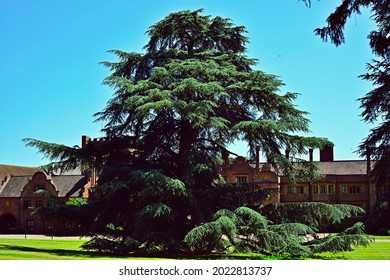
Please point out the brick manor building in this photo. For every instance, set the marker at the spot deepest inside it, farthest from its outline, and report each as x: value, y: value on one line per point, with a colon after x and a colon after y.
x: 19, y: 199
x: 343, y: 181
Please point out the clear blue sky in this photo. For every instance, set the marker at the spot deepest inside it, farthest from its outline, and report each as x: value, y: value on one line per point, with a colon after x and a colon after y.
x: 51, y: 79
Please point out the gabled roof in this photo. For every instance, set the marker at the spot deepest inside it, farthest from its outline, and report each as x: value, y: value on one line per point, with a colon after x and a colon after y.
x: 14, y: 170
x: 66, y: 185
x: 14, y: 186
x: 69, y: 185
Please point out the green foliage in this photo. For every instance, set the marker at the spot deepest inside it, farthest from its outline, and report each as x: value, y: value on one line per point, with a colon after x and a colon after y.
x: 174, y: 111
x: 75, y: 210
x: 376, y: 103
x: 344, y: 241
x: 246, y: 230
x: 380, y: 217
x: 309, y: 213
x: 76, y: 201
x: 108, y: 244
x: 383, y: 232
x: 62, y: 157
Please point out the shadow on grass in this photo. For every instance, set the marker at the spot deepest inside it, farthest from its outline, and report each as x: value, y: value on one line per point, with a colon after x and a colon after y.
x: 75, y: 254
x: 59, y: 252
x: 331, y: 258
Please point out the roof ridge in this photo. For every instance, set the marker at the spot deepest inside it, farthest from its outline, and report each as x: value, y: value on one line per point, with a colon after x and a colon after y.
x: 12, y: 165
x: 13, y: 176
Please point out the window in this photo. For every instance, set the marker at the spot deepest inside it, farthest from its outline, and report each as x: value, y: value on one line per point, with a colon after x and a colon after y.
x: 297, y: 189
x: 39, y: 187
x: 331, y: 189
x: 49, y: 224
x: 69, y: 225
x: 38, y: 203
x: 30, y: 225
x: 382, y: 189
x: 241, y: 178
x: 27, y: 204
x: 324, y: 189
x: 352, y: 189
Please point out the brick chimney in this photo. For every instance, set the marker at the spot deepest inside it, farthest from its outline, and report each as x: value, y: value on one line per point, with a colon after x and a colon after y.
x: 368, y: 155
x: 311, y: 154
x: 85, y: 140
x: 257, y: 157
x: 225, y: 158
x: 326, y: 153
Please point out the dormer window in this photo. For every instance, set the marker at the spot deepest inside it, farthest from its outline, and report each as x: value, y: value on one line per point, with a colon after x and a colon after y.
x: 39, y: 187
x: 241, y: 179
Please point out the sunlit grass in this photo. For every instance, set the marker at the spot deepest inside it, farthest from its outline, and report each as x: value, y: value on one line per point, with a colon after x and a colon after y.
x: 47, y: 249
x: 374, y: 251
x: 380, y: 236
x: 57, y: 249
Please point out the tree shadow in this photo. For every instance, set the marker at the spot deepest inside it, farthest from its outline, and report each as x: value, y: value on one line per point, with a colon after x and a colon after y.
x: 60, y: 252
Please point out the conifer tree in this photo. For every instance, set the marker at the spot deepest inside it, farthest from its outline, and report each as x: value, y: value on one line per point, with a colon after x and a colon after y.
x: 375, y: 104
x: 175, y: 110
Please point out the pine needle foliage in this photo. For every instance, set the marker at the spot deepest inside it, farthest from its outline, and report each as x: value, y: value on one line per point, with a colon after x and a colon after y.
x: 174, y: 110
x: 344, y: 241
x: 376, y: 103
x: 246, y: 230
x: 379, y: 221
x: 309, y: 213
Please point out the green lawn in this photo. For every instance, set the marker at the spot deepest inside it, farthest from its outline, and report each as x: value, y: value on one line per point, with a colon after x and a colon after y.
x: 375, y: 251
x: 56, y: 249
x: 48, y: 249
x: 380, y: 236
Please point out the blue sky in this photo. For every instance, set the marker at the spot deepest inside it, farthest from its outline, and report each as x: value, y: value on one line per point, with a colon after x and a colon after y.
x: 51, y: 79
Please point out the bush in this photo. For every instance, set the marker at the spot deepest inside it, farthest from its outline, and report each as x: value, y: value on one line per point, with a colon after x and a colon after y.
x: 343, y: 225
x: 383, y: 231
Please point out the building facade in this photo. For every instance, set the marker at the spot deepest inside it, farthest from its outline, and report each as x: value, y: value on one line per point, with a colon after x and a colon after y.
x: 20, y: 196
x: 343, y: 182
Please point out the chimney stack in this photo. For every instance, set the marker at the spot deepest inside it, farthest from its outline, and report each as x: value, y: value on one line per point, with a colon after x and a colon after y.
x: 85, y: 140
x: 311, y: 154
x: 326, y: 153
x: 368, y: 155
x: 257, y: 157
x: 225, y: 158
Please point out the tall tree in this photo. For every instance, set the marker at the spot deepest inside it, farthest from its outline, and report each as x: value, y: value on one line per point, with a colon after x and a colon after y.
x: 376, y: 103
x: 175, y: 110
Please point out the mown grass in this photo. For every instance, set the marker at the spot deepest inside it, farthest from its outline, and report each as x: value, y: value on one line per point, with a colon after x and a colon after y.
x: 48, y: 249
x: 56, y: 249
x: 380, y: 236
x: 375, y: 251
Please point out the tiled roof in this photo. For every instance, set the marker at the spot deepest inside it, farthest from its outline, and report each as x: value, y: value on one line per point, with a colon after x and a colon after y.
x: 342, y: 167
x: 69, y: 185
x: 347, y: 167
x: 16, y: 170
x: 14, y: 186
x: 66, y: 185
